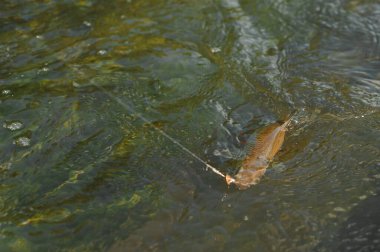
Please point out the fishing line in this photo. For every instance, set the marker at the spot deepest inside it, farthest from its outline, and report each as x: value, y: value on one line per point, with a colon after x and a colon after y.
x: 173, y: 140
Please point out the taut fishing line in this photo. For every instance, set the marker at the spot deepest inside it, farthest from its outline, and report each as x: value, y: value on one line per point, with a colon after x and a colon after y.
x: 173, y: 140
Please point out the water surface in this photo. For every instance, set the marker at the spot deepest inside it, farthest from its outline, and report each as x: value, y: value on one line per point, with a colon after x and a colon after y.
x: 81, y: 172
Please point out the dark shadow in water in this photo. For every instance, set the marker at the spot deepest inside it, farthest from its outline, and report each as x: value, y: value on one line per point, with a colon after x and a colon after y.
x: 361, y: 231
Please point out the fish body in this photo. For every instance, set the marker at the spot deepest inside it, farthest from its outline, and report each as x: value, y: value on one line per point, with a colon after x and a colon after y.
x: 254, y: 166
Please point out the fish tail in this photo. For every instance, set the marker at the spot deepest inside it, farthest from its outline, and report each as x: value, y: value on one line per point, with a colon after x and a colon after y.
x: 292, y: 114
x: 289, y: 118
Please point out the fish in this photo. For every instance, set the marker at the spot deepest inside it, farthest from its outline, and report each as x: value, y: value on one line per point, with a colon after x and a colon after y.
x: 254, y: 166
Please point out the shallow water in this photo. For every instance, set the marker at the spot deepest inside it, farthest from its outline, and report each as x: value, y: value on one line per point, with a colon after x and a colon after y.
x: 81, y: 172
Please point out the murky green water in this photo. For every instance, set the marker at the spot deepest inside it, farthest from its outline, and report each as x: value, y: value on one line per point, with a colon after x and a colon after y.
x: 80, y: 172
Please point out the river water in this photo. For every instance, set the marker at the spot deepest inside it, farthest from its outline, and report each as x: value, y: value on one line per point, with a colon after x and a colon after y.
x: 81, y: 170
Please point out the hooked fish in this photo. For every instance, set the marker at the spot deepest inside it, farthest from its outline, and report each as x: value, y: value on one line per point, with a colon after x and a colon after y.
x: 268, y: 143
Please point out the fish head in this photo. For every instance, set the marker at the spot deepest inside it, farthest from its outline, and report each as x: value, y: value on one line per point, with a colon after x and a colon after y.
x: 247, y: 177
x: 229, y: 179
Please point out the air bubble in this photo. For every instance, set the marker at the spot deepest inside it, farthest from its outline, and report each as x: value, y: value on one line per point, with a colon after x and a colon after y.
x: 76, y: 84
x: 215, y: 49
x: 363, y: 197
x: 13, y: 125
x: 86, y: 23
x: 22, y: 141
x: 339, y: 209
x: 331, y: 215
x: 102, y: 52
x: 6, y: 92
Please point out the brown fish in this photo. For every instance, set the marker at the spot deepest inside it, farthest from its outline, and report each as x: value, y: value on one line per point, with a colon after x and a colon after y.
x: 268, y: 143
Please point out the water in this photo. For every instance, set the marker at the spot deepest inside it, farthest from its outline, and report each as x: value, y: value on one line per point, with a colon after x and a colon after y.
x: 79, y: 172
